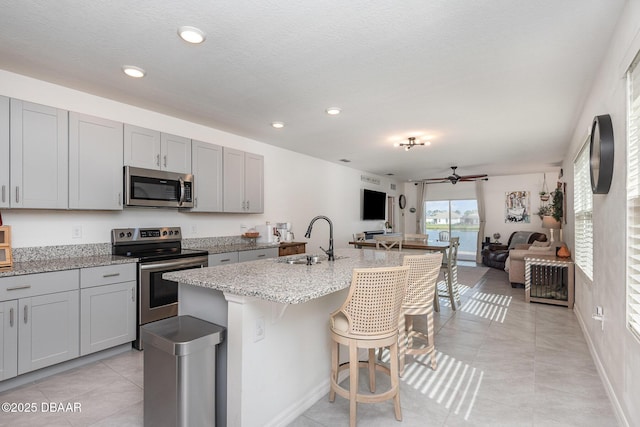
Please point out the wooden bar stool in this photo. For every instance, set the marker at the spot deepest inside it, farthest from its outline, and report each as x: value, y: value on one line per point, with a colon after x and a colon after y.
x: 418, y: 300
x: 368, y: 319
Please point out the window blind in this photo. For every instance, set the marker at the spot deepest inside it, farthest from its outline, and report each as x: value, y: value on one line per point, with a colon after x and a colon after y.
x: 633, y: 198
x: 583, y: 207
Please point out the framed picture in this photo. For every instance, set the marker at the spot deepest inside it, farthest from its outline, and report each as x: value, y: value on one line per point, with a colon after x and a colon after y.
x: 516, y: 207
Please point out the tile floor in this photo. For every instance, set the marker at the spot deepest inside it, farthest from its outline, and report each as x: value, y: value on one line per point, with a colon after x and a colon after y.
x: 500, y: 362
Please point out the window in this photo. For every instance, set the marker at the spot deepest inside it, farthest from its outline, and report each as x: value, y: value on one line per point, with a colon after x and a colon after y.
x: 633, y: 198
x: 583, y: 206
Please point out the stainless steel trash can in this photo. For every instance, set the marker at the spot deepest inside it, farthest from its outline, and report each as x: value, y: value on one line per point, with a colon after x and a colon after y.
x: 180, y: 371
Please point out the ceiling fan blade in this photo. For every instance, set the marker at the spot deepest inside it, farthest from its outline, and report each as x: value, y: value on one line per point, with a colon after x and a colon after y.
x: 436, y: 179
x: 473, y: 176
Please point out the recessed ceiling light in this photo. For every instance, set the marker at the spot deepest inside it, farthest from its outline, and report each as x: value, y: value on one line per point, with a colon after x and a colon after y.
x: 191, y: 34
x: 277, y: 125
x: 133, y: 71
x: 345, y: 160
x: 333, y: 111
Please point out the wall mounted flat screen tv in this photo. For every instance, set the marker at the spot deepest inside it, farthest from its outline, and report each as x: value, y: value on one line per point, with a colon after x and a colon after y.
x: 374, y: 204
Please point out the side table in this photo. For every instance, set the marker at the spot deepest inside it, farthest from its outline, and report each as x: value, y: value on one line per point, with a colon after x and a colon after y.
x: 549, y: 279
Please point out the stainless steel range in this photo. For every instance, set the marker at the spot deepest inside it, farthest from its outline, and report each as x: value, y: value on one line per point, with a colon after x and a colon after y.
x: 159, y: 250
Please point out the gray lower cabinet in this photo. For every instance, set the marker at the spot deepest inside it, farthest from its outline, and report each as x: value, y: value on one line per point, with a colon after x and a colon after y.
x: 48, y: 330
x: 257, y: 254
x: 107, y: 307
x: 224, y: 258
x: 40, y: 321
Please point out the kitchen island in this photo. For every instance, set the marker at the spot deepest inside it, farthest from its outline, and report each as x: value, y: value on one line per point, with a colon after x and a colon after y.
x: 275, y: 363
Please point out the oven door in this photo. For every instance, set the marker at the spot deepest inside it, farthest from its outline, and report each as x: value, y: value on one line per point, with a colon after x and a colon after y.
x: 158, y: 298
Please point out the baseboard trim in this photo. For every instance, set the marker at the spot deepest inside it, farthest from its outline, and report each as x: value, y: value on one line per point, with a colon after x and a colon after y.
x: 617, y: 408
x: 287, y: 416
x: 34, y: 376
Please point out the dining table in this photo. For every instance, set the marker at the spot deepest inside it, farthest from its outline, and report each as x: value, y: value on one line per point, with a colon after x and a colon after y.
x: 433, y: 246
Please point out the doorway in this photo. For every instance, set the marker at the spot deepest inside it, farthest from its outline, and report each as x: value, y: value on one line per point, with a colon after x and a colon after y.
x: 454, y: 218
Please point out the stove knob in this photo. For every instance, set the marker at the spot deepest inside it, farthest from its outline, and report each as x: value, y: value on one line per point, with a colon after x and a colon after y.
x: 129, y: 234
x: 171, y: 233
x: 121, y: 234
x: 164, y: 233
x: 177, y: 232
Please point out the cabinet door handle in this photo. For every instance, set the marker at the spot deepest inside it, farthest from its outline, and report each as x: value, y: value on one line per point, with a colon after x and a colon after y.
x: 261, y: 255
x: 158, y: 160
x: 26, y: 314
x: 133, y: 294
x: 111, y: 275
x: 195, y: 202
x: 11, y: 317
x: 17, y: 194
x: 4, y: 190
x: 165, y: 160
x: 225, y: 260
x: 119, y: 199
x: 18, y: 287
x: 247, y: 205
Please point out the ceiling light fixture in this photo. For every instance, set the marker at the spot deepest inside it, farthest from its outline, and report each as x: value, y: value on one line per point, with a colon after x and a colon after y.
x: 277, y: 125
x: 333, y: 111
x: 133, y: 71
x: 191, y: 34
x: 412, y: 143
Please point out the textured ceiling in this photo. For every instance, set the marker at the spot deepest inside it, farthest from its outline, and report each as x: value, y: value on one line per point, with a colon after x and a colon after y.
x: 497, y: 84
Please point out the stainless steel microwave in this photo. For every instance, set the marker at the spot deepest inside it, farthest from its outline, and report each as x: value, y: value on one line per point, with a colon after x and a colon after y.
x: 159, y: 189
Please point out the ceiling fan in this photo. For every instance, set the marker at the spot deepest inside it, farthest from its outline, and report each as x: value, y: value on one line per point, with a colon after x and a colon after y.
x: 454, y: 178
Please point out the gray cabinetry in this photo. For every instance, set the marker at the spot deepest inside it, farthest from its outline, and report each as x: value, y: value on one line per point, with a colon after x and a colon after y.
x: 257, y: 254
x: 4, y: 153
x: 150, y: 149
x: 222, y: 259
x: 107, y: 307
x: 206, y: 165
x: 40, y: 321
x: 95, y: 163
x: 8, y: 339
x: 243, y: 181
x: 39, y: 176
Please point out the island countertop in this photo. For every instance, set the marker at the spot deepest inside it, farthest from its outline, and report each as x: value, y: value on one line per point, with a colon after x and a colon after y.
x: 276, y: 280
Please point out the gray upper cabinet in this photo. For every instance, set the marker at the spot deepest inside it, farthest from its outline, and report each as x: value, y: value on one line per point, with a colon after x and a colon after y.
x: 150, y: 149
x: 243, y: 181
x: 207, y: 171
x: 175, y: 153
x: 95, y: 163
x: 4, y: 152
x: 39, y: 166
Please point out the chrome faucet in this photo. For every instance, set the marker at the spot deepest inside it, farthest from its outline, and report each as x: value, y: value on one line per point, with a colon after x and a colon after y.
x: 329, y: 252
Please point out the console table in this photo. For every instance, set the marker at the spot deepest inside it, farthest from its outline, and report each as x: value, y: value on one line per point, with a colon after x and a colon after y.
x: 549, y: 279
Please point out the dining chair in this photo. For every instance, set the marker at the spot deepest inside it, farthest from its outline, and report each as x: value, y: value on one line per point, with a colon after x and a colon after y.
x: 359, y: 237
x: 368, y: 319
x: 418, y: 300
x: 443, y: 236
x: 388, y: 242
x: 448, y: 288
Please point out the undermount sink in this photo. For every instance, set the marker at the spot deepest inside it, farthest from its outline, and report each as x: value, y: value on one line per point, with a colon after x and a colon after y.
x: 303, y: 259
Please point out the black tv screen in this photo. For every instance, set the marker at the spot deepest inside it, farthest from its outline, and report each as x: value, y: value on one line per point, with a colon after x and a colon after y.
x: 374, y: 204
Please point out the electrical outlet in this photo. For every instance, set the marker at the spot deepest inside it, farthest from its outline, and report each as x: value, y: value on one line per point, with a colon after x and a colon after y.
x: 259, y: 331
x: 194, y: 229
x: 76, y: 232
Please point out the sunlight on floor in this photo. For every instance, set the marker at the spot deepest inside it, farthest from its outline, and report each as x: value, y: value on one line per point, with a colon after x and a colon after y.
x: 454, y: 383
x: 488, y: 306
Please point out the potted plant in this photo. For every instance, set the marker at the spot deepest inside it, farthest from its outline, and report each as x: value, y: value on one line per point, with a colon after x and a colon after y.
x: 556, y: 204
x: 544, y: 210
x: 544, y: 196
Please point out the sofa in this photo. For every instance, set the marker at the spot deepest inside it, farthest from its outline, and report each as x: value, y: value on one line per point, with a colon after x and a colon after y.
x: 514, y: 264
x: 496, y: 258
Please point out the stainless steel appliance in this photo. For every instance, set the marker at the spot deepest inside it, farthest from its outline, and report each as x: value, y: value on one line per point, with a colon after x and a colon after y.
x: 159, y: 250
x: 159, y: 189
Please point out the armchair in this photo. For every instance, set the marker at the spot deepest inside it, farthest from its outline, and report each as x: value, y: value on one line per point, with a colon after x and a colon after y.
x: 496, y: 258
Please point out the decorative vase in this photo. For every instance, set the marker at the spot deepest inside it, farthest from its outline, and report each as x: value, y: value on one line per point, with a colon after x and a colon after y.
x: 564, y: 252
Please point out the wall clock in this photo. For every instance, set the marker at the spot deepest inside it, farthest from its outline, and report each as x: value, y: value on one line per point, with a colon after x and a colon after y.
x: 601, y: 154
x: 402, y: 201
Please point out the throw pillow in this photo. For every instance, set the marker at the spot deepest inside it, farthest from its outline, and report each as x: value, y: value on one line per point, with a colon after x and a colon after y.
x: 540, y: 244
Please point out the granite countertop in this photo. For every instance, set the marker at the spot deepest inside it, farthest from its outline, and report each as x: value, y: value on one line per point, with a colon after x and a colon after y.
x: 275, y: 280
x: 59, y: 264
x: 234, y: 247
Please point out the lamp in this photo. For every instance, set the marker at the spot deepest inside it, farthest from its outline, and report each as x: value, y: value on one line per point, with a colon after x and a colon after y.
x: 412, y: 143
x: 551, y: 223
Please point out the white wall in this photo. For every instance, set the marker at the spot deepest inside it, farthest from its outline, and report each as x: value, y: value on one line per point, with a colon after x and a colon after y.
x: 297, y: 187
x: 616, y: 351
